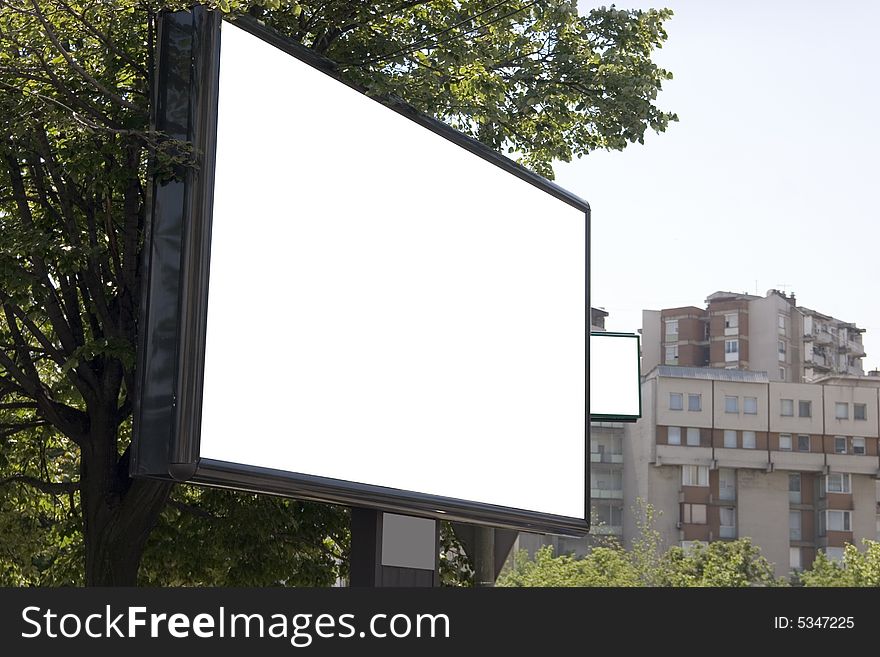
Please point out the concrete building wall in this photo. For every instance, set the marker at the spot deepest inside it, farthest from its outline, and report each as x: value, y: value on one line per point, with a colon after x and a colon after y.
x: 740, y: 419
x: 651, y: 346
x: 765, y: 335
x: 685, y: 417
x: 638, y: 456
x: 864, y: 516
x: 664, y: 484
x: 762, y: 514
x: 796, y: 392
x: 850, y: 395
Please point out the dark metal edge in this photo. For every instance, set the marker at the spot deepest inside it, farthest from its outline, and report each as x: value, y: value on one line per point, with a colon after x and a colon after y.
x: 196, y: 248
x: 222, y: 474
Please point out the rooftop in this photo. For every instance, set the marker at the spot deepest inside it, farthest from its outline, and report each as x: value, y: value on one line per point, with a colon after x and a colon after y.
x: 711, y: 373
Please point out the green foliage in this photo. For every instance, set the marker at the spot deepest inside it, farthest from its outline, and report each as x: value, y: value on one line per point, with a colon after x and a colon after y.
x: 603, y: 566
x: 456, y: 568
x: 76, y: 161
x: 526, y: 77
x: 858, y: 568
x: 210, y: 536
x: 720, y: 564
x: 647, y: 549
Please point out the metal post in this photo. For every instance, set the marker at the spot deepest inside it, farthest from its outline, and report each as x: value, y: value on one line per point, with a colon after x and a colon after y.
x: 484, y: 557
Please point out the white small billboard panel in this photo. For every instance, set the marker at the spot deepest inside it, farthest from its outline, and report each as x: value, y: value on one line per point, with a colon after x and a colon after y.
x: 615, y: 380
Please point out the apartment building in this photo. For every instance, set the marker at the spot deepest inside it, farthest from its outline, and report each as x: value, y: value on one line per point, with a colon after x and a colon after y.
x: 728, y: 453
x: 772, y: 334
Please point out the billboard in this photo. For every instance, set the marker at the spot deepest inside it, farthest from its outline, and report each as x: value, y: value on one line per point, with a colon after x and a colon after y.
x: 354, y: 303
x: 615, y: 377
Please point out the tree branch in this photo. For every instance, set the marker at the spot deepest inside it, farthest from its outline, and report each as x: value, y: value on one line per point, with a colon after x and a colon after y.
x: 52, y: 488
x: 192, y: 510
x: 104, y: 39
x: 119, y: 100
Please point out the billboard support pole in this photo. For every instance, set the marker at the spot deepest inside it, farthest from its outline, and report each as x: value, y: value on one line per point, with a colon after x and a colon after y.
x: 484, y: 557
x: 393, y: 550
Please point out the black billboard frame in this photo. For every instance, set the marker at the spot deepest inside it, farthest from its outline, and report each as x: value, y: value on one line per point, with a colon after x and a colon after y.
x: 176, y: 262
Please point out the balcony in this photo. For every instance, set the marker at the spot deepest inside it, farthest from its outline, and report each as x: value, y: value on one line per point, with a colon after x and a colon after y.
x: 726, y: 531
x: 823, y: 338
x: 755, y: 459
x: 798, y: 461
x: 682, y: 455
x: 604, y: 457
x: 856, y: 349
x: 863, y: 464
x: 606, y: 494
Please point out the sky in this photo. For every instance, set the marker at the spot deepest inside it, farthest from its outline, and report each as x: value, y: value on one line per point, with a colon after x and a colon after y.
x: 769, y: 178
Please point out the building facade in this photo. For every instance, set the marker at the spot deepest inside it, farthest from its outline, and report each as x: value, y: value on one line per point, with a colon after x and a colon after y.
x: 769, y: 334
x: 787, y: 456
x: 724, y: 453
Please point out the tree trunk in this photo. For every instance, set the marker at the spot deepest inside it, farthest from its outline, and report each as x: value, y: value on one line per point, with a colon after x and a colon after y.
x: 118, y: 512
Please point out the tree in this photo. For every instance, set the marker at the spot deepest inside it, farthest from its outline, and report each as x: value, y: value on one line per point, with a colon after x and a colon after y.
x: 647, y: 563
x: 76, y: 156
x: 720, y: 563
x: 857, y: 568
x: 603, y: 566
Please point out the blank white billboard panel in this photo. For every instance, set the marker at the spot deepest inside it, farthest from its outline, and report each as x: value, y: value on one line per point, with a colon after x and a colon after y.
x: 384, y: 306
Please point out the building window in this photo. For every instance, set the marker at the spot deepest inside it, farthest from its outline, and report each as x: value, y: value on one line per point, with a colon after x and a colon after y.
x: 693, y: 514
x: 749, y: 439
x: 805, y: 408
x: 841, y: 410
x: 693, y: 437
x: 782, y: 374
x: 794, y: 525
x: 794, y: 488
x: 694, y: 475
x: 794, y: 558
x: 838, y: 482
x: 860, y: 411
x: 786, y: 407
x: 608, y: 514
x: 785, y: 442
x: 676, y: 401
x: 727, y: 483
x: 695, y: 402
x: 731, y: 323
x: 729, y: 438
x: 780, y: 322
x: 858, y: 445
x: 672, y: 355
x: 838, y: 521
x: 728, y: 522
x: 731, y: 404
x: 803, y: 443
x: 750, y: 405
x: 840, y: 444
x: 671, y: 330
x: 731, y: 350
x: 780, y: 345
x: 673, y: 436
